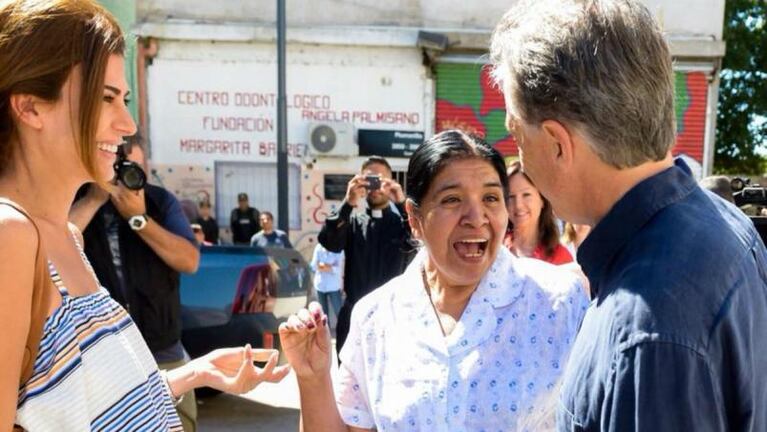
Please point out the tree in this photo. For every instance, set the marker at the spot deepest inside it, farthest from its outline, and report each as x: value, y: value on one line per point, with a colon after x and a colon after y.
x: 741, y: 132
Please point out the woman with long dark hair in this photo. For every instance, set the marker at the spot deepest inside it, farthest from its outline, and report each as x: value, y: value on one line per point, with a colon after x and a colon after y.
x: 468, y: 338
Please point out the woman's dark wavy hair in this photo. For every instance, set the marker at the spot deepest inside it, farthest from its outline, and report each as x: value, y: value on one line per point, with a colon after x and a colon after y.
x: 548, y: 233
x: 447, y: 146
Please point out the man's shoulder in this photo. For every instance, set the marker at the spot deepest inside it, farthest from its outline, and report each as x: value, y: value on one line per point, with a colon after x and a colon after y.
x: 694, y: 242
x: 699, y: 221
x: 676, y: 273
x: 158, y: 192
x: 162, y: 197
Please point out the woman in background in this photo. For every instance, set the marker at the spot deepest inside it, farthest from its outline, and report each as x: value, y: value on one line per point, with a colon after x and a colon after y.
x: 533, y: 229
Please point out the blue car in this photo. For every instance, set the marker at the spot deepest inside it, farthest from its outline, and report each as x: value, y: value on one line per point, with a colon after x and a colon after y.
x: 241, y: 295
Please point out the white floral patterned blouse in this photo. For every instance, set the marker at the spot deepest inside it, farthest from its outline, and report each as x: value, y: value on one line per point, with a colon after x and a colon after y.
x: 399, y: 373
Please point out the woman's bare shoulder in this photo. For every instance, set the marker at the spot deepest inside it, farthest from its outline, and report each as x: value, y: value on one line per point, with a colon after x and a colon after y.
x: 16, y: 231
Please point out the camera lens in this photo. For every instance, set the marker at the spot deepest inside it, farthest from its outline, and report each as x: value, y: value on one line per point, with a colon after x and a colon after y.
x: 133, y: 177
x: 130, y: 174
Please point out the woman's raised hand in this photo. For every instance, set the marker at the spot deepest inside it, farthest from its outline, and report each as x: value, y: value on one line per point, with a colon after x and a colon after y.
x: 305, y: 340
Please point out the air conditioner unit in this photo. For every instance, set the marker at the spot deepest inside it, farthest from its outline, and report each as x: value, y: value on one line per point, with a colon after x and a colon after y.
x: 332, y: 140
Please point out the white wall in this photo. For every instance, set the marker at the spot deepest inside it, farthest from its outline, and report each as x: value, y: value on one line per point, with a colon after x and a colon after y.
x: 680, y: 17
x: 197, y: 89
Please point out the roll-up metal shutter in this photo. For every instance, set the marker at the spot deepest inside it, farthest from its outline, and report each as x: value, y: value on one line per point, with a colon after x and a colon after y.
x: 691, y: 98
x: 468, y: 100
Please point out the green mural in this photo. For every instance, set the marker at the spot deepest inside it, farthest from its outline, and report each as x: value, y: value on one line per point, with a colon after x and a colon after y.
x: 468, y: 99
x: 125, y: 12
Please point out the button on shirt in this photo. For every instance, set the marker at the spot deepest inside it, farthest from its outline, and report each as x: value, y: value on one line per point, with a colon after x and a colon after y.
x: 399, y: 373
x: 675, y: 339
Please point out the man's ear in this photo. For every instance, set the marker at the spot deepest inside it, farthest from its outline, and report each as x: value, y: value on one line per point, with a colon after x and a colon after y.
x: 559, y: 136
x: 24, y: 108
x: 413, y: 218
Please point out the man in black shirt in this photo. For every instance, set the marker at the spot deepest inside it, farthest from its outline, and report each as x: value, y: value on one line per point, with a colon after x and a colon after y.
x: 244, y: 221
x: 376, y: 242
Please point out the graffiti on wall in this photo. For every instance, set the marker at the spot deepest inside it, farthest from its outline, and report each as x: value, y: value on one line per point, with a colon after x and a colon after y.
x: 691, y: 97
x: 468, y: 99
x: 189, y: 183
x: 314, y: 209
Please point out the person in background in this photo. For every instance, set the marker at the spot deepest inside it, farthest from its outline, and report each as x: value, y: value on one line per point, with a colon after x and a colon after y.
x: 469, y: 338
x: 199, y: 235
x: 138, y: 243
x: 375, y: 242
x: 207, y: 222
x: 244, y: 221
x: 533, y: 229
x: 328, y: 277
x: 63, y: 115
x: 674, y: 339
x: 270, y: 236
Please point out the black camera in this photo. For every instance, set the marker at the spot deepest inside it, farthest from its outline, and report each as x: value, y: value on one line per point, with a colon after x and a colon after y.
x: 747, y: 195
x: 744, y: 193
x: 374, y: 182
x: 128, y: 172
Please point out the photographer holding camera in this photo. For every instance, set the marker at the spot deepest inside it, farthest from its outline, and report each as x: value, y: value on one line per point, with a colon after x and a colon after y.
x: 376, y: 242
x: 138, y: 240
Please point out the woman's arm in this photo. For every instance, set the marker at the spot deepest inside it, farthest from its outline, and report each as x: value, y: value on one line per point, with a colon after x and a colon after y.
x: 229, y: 370
x: 318, y: 406
x: 17, y: 263
x: 305, y: 339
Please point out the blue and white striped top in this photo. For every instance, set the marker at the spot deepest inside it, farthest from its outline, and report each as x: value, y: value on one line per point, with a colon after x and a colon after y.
x: 94, y: 372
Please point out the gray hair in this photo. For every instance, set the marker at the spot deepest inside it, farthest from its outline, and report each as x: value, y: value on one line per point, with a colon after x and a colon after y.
x: 601, y: 66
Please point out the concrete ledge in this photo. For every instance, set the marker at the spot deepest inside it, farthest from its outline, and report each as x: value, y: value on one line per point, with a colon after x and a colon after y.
x: 460, y: 39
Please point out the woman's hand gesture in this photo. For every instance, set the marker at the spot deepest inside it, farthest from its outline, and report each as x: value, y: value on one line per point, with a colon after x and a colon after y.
x: 232, y: 370
x: 305, y: 340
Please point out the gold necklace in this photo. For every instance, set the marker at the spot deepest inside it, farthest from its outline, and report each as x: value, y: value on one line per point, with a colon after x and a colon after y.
x: 433, y: 307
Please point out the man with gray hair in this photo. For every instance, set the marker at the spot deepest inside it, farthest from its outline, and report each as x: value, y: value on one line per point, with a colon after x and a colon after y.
x: 675, y: 337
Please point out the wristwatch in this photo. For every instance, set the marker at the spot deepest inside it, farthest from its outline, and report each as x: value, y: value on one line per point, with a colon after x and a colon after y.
x: 138, y: 222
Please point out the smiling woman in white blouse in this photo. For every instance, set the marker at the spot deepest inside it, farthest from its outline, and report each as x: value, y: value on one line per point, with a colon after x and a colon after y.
x: 468, y: 338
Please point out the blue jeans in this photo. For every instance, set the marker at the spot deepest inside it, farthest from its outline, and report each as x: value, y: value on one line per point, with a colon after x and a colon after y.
x: 335, y: 301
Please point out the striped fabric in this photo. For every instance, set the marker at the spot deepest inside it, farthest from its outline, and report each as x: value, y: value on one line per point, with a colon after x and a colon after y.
x: 94, y: 372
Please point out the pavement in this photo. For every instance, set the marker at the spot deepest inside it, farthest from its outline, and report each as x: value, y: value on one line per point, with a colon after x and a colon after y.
x: 233, y: 413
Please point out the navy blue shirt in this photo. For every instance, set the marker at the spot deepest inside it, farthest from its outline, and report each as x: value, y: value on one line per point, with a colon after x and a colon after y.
x: 276, y: 238
x: 676, y: 336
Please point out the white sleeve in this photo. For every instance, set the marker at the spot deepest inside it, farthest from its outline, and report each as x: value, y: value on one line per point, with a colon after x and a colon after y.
x: 351, y: 389
x: 313, y: 263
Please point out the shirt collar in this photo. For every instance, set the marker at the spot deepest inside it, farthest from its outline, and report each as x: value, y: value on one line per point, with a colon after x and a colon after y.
x: 629, y: 215
x: 500, y: 286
